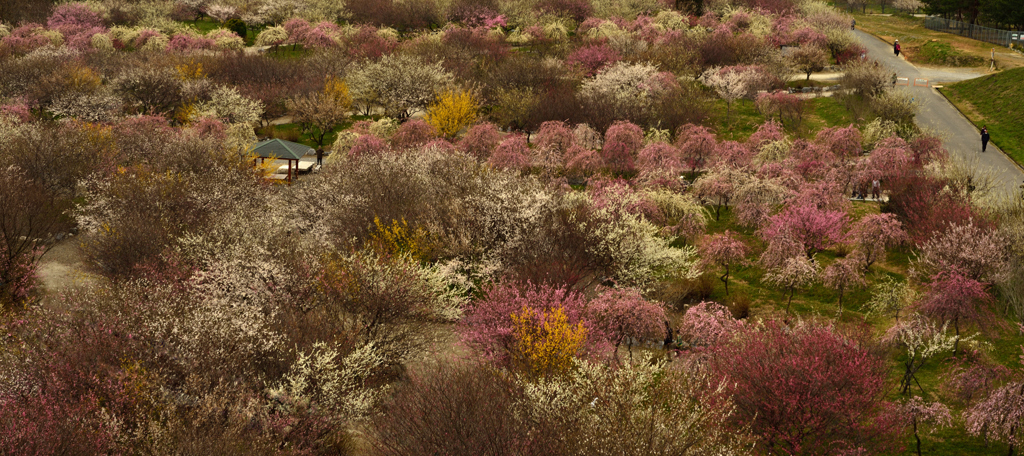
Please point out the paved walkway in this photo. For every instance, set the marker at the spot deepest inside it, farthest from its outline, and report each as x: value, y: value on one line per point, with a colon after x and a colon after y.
x: 959, y: 136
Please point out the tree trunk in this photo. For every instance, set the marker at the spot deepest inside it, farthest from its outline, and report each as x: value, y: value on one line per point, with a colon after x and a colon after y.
x: 725, y: 278
x: 917, y: 437
x: 956, y: 343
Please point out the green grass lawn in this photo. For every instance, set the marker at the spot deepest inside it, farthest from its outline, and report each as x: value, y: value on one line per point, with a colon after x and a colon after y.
x: 743, y: 120
x: 994, y: 101
x: 207, y: 24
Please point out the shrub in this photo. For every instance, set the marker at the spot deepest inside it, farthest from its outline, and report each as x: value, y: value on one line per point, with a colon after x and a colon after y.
x: 452, y: 111
x: 480, y: 140
x: 546, y: 344
x: 236, y: 25
x: 626, y: 317
x: 413, y: 133
x: 454, y: 409
x: 490, y: 325
x: 512, y: 153
x: 739, y: 306
x: 622, y: 142
x: 577, y: 10
x: 367, y: 146
x: 593, y: 58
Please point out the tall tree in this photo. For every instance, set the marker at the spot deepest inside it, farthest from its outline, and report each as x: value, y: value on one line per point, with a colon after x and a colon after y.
x: 807, y: 390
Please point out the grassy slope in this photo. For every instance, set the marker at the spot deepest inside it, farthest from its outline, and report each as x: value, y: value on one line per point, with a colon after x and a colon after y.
x: 995, y: 101
x: 912, y: 35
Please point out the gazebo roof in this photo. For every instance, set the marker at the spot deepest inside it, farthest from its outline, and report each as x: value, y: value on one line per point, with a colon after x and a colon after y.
x: 281, y: 149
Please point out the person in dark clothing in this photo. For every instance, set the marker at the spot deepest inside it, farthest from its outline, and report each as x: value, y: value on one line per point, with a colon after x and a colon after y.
x: 853, y: 24
x: 896, y: 48
x: 984, y: 138
x: 319, y: 157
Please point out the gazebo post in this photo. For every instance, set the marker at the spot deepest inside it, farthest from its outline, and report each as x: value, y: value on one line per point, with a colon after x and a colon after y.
x: 289, y: 171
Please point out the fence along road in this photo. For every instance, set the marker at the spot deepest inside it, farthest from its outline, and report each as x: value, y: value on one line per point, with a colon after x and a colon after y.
x: 959, y: 136
x: 987, y: 34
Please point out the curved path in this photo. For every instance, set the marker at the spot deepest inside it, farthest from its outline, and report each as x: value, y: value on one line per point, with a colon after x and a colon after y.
x: 960, y: 136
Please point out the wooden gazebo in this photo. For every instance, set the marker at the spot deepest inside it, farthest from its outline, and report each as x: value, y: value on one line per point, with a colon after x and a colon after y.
x: 279, y: 149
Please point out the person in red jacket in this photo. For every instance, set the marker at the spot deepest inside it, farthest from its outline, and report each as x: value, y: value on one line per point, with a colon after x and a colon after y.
x: 896, y: 48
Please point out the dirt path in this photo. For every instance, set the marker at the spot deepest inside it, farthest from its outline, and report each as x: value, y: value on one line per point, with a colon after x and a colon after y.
x: 62, y: 268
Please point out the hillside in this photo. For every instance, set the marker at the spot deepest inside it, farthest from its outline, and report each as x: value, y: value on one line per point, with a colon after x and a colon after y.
x: 994, y: 101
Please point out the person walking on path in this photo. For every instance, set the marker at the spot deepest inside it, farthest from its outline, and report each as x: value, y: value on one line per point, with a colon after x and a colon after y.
x: 853, y: 24
x: 876, y: 189
x: 896, y: 48
x: 984, y: 138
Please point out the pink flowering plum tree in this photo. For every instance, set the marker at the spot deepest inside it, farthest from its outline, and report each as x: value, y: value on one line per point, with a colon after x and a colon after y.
x: 659, y: 158
x: 593, y: 58
x: 184, y: 42
x: 480, y: 140
x: 844, y: 274
x: 954, y: 297
x: 367, y: 43
x: 367, y: 146
x: 77, y: 23
x: 512, y: 153
x: 696, y: 144
x: 972, y: 248
x: 808, y: 390
x: 874, y: 234
x: 732, y: 154
x: 782, y: 106
x: 844, y: 142
x: 919, y: 413
x: 582, y: 162
x: 624, y: 316
x: 413, y: 133
x: 718, y: 185
x: 297, y: 29
x: 892, y: 158
x: 792, y: 274
x: 815, y: 228
x: 707, y: 325
x: 767, y: 132
x: 556, y: 136
x: 622, y: 141
x: 723, y: 250
x: 999, y: 417
x: 25, y: 38
x: 322, y: 35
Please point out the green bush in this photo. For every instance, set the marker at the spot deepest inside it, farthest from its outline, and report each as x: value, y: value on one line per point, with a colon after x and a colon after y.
x: 939, y: 53
x: 236, y: 25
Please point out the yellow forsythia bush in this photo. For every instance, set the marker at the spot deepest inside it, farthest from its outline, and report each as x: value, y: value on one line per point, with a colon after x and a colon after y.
x: 545, y: 342
x: 452, y: 111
